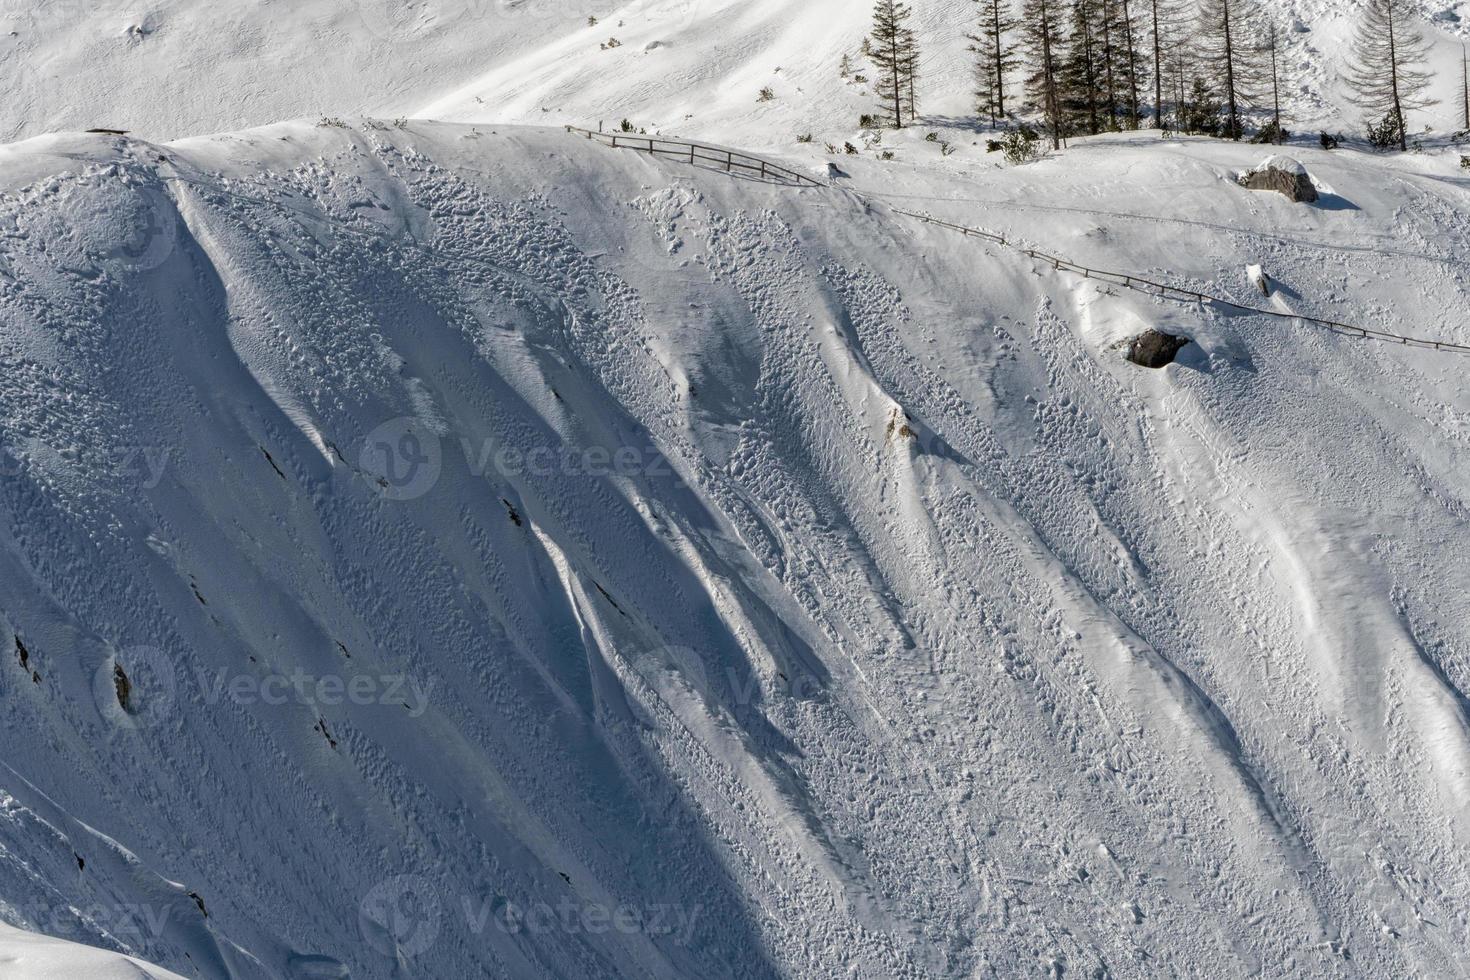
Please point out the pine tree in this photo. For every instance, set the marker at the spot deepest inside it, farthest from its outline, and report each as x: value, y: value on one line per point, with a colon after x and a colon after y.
x: 1084, y: 96
x: 1042, y: 30
x: 1272, y: 48
x: 1230, y: 51
x: 895, y: 53
x: 1127, y: 31
x: 1465, y: 84
x: 994, y: 57
x: 1163, y: 29
x: 1386, y: 70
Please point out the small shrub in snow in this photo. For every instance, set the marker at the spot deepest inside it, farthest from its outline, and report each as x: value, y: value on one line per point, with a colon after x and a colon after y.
x: 1464, y: 162
x: 831, y: 149
x: 1328, y: 142
x: 610, y: 43
x: 1388, y: 134
x: 331, y: 121
x: 591, y: 21
x: 1272, y: 133
x: 627, y: 126
x: 845, y: 68
x: 766, y: 94
x: 860, y: 78
x: 804, y: 137
x: 867, y: 121
x: 849, y: 149
x: 886, y: 155
x: 931, y: 137
x: 1021, y: 146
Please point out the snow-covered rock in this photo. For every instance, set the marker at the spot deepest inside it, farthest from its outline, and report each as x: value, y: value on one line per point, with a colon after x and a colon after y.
x: 1282, y: 174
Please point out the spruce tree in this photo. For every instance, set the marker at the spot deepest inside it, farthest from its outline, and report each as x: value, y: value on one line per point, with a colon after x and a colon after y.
x: 895, y: 53
x: 1163, y: 30
x: 1131, y: 66
x: 1230, y: 50
x: 1084, y: 96
x: 1386, y: 70
x: 995, y: 58
x: 1042, y: 29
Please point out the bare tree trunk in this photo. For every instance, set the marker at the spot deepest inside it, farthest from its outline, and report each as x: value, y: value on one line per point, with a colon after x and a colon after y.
x: 1159, y: 69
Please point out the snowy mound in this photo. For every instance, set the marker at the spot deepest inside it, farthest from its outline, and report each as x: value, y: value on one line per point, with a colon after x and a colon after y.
x: 452, y: 551
x: 1284, y: 164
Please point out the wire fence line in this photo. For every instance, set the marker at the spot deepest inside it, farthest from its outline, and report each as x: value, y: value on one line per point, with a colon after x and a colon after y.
x: 733, y: 160
x: 1166, y: 291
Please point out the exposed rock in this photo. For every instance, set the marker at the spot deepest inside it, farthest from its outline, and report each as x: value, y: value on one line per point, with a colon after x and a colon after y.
x: 123, y: 686
x: 1282, y: 174
x: 1152, y: 349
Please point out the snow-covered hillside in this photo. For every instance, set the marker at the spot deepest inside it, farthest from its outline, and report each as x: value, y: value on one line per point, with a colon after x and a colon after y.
x: 448, y: 551
x: 172, y: 68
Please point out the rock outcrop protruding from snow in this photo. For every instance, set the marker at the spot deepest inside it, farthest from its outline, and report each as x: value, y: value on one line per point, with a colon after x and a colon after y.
x: 1153, y: 349
x: 1283, y: 174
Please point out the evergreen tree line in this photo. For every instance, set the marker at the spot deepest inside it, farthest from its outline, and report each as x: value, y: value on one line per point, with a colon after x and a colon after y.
x: 1197, y: 66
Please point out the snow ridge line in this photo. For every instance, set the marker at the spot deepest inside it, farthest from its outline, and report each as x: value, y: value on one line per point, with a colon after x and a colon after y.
x: 734, y: 159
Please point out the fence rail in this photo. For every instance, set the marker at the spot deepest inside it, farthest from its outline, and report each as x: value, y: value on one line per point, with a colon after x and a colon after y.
x: 697, y: 153
x: 733, y: 160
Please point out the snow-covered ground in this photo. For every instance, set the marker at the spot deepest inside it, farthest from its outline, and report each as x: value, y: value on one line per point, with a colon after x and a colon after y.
x: 171, y: 68
x: 520, y: 557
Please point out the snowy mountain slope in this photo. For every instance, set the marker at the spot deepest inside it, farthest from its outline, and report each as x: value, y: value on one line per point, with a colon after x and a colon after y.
x: 180, y: 67
x: 531, y: 559
x: 698, y: 71
x: 41, y: 958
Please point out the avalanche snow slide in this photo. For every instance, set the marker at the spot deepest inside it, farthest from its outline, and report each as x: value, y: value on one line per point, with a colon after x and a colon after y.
x: 451, y: 551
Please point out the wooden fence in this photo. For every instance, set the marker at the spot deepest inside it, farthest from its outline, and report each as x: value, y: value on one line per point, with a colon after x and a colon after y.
x: 731, y: 161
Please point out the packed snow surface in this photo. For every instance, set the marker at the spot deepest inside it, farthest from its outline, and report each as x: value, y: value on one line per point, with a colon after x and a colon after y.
x: 447, y: 551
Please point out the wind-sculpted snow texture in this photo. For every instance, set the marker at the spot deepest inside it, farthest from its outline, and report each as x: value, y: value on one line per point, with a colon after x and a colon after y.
x: 445, y: 552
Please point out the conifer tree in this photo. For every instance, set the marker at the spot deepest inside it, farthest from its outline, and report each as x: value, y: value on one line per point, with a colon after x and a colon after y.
x: 1131, y: 67
x: 895, y: 53
x: 1272, y: 48
x: 1229, y: 49
x: 1163, y: 28
x: 1084, y: 96
x: 1386, y: 70
x: 1042, y: 29
x: 995, y: 58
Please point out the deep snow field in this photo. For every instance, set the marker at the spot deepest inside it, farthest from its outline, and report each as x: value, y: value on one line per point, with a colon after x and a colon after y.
x: 918, y: 633
x: 458, y: 548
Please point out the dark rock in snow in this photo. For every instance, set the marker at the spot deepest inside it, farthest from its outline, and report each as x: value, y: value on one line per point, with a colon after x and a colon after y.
x: 122, y: 685
x: 1152, y: 349
x: 1284, y: 175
